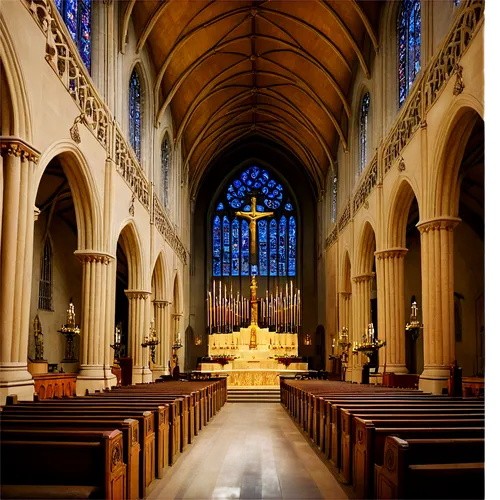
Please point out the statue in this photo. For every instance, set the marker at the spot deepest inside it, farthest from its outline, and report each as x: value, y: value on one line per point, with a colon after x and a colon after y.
x: 37, y: 330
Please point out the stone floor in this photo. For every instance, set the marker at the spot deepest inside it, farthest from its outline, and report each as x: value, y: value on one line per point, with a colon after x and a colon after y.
x: 249, y: 451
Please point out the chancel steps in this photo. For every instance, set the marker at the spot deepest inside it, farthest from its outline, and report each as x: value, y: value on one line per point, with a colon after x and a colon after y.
x: 253, y: 394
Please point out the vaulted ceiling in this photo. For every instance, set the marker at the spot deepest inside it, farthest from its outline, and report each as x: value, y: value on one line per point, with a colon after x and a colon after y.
x: 282, y: 70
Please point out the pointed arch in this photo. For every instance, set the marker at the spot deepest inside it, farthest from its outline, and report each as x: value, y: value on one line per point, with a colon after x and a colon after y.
x: 345, y: 280
x: 129, y: 239
x: 366, y: 249
x: 159, y: 278
x: 83, y: 190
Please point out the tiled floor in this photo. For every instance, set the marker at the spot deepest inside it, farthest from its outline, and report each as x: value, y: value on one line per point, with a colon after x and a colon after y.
x: 249, y: 451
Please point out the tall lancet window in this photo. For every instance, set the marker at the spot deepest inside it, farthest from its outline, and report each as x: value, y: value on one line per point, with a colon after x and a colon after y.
x: 334, y: 198
x: 409, y: 28
x: 45, y: 287
x: 363, y: 132
x: 276, y: 235
x: 135, y: 115
x: 165, y: 151
x: 77, y: 15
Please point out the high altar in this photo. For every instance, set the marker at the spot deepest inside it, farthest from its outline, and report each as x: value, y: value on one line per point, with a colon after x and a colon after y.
x: 253, y: 341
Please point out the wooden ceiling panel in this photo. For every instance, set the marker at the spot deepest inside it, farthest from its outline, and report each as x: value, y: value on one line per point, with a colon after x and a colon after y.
x: 277, y: 70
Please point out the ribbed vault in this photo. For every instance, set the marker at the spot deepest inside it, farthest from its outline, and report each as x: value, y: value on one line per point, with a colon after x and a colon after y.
x: 281, y: 70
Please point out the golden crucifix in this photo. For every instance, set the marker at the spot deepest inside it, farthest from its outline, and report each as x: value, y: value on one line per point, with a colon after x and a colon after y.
x: 252, y: 216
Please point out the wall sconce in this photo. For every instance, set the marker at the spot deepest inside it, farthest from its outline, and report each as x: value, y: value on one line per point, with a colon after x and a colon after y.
x: 307, y: 339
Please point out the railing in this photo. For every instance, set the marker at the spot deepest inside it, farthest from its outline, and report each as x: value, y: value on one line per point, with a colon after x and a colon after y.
x: 62, y: 55
x: 423, y: 95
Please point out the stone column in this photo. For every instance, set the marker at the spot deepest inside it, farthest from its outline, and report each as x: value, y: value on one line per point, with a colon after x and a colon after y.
x: 361, y: 318
x: 161, y: 322
x: 391, y: 320
x: 345, y: 320
x: 95, y: 370
x: 438, y: 316
x: 16, y: 265
x: 138, y: 328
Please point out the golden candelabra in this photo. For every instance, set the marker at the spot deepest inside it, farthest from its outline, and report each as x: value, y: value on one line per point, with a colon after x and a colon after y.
x: 370, y: 345
x: 151, y: 341
x: 414, y: 326
x: 70, y: 330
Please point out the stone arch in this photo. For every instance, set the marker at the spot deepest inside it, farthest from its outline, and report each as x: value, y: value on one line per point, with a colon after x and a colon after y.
x: 452, y: 141
x: 131, y: 246
x: 15, y: 90
x: 345, y: 276
x: 399, y: 206
x: 366, y: 249
x: 159, y: 278
x: 83, y: 190
x: 177, y: 302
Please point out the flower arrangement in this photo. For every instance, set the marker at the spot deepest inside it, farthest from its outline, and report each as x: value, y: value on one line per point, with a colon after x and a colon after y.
x: 223, y: 360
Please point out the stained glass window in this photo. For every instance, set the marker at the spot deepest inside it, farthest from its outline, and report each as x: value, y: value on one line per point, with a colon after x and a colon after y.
x: 457, y: 3
x: 135, y: 113
x: 226, y: 246
x: 164, y: 169
x: 235, y: 247
x: 282, y: 247
x: 334, y: 198
x: 45, y: 288
x: 245, y: 248
x: 409, y: 46
x: 363, y: 132
x: 77, y: 15
x: 276, y: 237
x: 262, y: 230
x: 216, y: 250
x: 273, y: 248
x: 292, y: 246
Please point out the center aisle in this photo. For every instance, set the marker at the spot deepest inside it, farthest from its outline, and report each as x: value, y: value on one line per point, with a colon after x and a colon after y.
x: 250, y: 451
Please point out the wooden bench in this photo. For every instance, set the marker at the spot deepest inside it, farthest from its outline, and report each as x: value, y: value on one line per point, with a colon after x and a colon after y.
x: 396, y: 478
x: 147, y: 456
x: 368, y: 449
x: 75, y: 464
x: 128, y: 427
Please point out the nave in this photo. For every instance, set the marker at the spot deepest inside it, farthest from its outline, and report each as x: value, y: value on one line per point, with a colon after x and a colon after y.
x: 250, y: 451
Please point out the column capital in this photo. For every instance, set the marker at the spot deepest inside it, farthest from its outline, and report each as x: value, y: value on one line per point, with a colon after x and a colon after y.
x: 363, y: 277
x: 391, y: 253
x: 345, y: 295
x: 93, y: 256
x: 137, y: 294
x: 161, y: 303
x: 439, y: 223
x: 14, y: 146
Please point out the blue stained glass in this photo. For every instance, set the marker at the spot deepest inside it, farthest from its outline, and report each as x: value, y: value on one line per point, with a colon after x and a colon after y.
x: 226, y: 246
x: 292, y: 246
x: 273, y: 248
x: 271, y: 183
x: 457, y: 3
x: 282, y: 247
x: 247, y: 208
x: 77, y: 15
x: 216, y: 247
x: 409, y: 31
x: 165, y: 152
x: 235, y: 203
x: 220, y: 206
x: 254, y: 172
x: 235, y: 243
x: 260, y: 208
x: 262, y: 230
x: 135, y: 113
x: 289, y: 206
x: 363, y: 132
x: 245, y: 248
x: 237, y: 184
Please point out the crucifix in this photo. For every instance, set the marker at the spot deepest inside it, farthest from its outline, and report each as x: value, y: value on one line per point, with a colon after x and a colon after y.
x: 253, y: 216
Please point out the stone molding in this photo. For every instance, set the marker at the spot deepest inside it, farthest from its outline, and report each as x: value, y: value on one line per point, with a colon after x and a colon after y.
x: 161, y: 304
x: 391, y: 253
x: 93, y: 256
x: 440, y: 223
x: 332, y: 238
x: 363, y: 277
x: 14, y: 146
x: 137, y: 294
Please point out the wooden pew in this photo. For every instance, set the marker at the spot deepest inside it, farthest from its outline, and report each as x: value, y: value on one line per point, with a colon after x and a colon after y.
x: 63, y: 464
x: 397, y: 479
x: 370, y: 440
x: 105, y: 406
x: 129, y: 428
x: 147, y: 456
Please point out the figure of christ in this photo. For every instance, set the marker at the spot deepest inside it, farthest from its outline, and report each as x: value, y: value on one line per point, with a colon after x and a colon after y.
x: 253, y: 216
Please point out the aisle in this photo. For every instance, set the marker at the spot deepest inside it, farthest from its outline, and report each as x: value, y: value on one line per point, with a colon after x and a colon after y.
x: 249, y: 451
